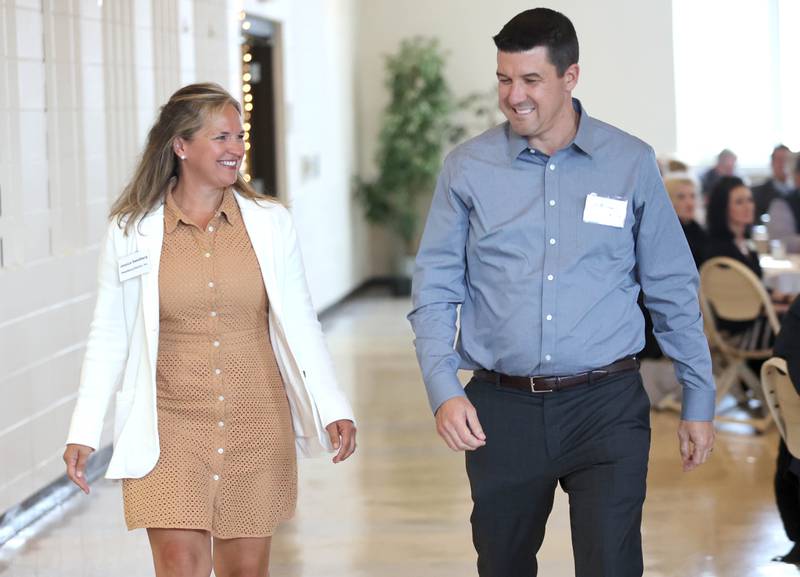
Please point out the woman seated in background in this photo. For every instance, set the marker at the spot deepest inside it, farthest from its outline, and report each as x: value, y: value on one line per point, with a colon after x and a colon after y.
x: 731, y: 213
x: 683, y: 194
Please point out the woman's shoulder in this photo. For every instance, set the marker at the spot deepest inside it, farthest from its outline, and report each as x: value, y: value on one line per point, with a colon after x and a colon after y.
x: 262, y: 204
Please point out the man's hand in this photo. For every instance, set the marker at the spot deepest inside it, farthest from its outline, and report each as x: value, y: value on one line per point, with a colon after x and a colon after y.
x: 696, y: 442
x: 457, y: 423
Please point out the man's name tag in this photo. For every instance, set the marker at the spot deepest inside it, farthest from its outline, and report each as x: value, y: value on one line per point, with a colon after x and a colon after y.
x: 604, y: 210
x: 133, y: 265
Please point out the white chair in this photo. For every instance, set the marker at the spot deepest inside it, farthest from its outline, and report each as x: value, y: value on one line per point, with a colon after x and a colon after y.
x: 783, y: 402
x: 729, y: 291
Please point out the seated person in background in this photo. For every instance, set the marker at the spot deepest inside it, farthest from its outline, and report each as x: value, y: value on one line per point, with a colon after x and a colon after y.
x: 787, y: 484
x: 730, y: 217
x: 683, y: 195
x: 784, y: 215
x: 725, y: 166
x: 777, y: 185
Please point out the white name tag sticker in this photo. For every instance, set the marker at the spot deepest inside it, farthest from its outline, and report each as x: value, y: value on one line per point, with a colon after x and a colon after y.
x: 604, y: 210
x: 133, y: 265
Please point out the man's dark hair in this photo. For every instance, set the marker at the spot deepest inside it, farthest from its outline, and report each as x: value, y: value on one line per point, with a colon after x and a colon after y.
x: 541, y: 27
x: 778, y: 149
x: 717, y: 213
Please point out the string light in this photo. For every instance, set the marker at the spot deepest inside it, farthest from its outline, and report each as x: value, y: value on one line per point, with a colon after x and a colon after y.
x: 247, y: 57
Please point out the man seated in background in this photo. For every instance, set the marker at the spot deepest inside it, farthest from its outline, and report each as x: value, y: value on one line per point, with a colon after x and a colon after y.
x: 784, y: 215
x: 778, y: 185
x: 725, y: 166
x: 787, y: 483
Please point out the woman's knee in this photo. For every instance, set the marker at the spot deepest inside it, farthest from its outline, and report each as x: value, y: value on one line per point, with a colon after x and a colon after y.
x: 180, y: 558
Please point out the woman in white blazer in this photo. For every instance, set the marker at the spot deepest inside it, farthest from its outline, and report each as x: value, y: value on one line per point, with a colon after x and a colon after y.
x: 188, y: 183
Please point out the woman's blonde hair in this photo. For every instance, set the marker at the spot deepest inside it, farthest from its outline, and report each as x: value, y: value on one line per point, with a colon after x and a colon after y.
x: 184, y: 115
x: 674, y: 183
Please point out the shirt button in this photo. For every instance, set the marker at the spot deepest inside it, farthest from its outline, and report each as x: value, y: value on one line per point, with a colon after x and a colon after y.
x: 552, y: 203
x: 211, y: 228
x: 552, y: 167
x: 215, y: 477
x: 213, y: 313
x: 216, y: 343
x: 217, y: 372
x: 547, y: 357
x: 220, y: 450
x: 552, y: 241
x: 549, y: 317
x: 208, y: 255
x: 221, y: 398
x: 211, y: 285
x: 221, y: 424
x: 550, y: 277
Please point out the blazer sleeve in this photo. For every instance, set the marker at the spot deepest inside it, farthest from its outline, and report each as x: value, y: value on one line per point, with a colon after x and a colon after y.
x: 303, y: 323
x: 106, y: 350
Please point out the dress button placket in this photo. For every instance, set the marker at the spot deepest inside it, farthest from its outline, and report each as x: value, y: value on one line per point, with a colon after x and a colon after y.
x: 216, y: 361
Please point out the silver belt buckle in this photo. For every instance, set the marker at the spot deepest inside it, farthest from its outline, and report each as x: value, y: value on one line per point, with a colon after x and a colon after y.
x: 532, y: 385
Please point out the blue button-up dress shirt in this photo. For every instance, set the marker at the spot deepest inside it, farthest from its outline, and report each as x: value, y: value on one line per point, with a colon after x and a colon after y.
x: 539, y: 290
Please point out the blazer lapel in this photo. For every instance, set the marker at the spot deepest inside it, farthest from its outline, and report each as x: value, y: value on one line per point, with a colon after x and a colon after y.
x: 150, y: 237
x: 258, y: 222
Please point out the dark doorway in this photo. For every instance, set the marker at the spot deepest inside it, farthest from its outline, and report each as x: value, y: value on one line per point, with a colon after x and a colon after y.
x: 259, y: 94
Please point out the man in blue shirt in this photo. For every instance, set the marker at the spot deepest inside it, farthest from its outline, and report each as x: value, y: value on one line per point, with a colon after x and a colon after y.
x: 541, y: 234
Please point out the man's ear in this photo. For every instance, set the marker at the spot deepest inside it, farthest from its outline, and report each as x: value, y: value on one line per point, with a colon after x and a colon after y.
x: 571, y: 75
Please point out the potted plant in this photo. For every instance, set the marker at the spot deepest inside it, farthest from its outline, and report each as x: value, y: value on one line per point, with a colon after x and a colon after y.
x: 416, y: 127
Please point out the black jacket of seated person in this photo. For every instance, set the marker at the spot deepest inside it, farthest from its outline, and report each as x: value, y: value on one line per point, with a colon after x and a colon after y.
x: 787, y: 483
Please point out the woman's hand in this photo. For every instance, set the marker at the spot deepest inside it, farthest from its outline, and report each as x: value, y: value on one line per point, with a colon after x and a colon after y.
x: 343, y: 438
x: 75, y: 456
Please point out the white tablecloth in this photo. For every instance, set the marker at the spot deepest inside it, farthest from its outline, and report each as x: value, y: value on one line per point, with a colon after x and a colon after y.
x: 782, y: 274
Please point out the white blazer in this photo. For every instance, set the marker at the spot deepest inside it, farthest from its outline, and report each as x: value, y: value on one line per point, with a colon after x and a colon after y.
x: 123, y: 342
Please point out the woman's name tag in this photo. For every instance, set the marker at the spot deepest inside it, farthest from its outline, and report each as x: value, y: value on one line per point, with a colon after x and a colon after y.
x: 133, y: 265
x: 604, y: 210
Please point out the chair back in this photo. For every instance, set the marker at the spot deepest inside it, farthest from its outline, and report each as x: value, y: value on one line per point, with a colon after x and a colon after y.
x: 730, y: 291
x: 783, y: 402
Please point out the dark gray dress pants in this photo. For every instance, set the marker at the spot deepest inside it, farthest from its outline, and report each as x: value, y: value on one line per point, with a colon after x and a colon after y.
x: 594, y: 440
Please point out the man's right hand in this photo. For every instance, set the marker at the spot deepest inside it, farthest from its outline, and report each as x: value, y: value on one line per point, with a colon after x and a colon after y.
x: 457, y: 423
x: 75, y: 457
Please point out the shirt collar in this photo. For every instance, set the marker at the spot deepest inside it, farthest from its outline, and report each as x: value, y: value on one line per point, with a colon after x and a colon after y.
x: 583, y: 140
x: 228, y: 209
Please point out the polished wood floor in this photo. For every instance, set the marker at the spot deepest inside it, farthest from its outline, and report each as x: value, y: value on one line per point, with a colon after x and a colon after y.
x: 401, y: 506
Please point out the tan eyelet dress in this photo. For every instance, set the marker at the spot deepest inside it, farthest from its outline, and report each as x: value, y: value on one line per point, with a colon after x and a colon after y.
x: 227, y: 462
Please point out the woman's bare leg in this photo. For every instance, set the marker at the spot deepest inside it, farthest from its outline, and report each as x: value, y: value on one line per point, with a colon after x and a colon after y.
x: 181, y: 552
x: 244, y: 557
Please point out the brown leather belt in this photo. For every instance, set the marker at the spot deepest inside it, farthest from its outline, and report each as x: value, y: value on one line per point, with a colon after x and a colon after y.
x: 539, y: 384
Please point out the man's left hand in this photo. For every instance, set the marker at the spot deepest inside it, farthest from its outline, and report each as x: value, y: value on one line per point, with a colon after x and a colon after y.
x: 696, y: 442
